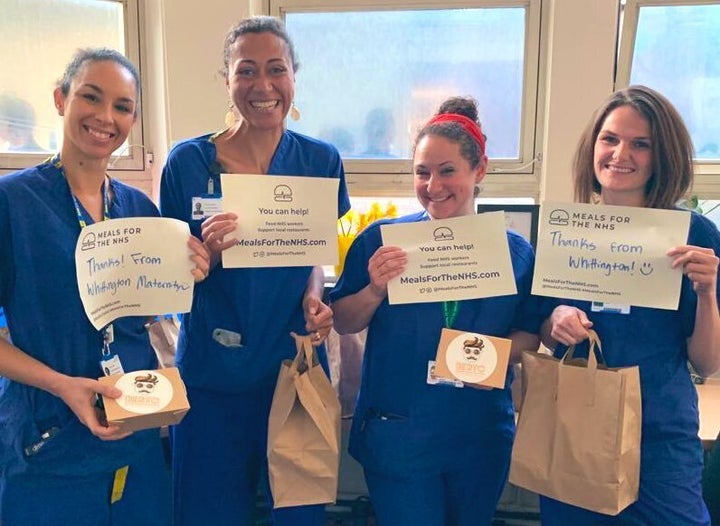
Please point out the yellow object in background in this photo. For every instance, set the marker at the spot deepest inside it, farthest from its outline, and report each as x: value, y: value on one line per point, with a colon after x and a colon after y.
x: 352, y: 223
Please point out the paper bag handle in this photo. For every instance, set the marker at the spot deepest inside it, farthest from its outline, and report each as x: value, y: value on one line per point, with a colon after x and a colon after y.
x: 592, y: 364
x: 307, y: 357
x: 595, y: 347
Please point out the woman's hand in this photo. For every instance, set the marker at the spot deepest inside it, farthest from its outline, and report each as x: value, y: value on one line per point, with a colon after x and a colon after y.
x: 214, y: 231
x: 569, y: 325
x: 318, y: 319
x: 201, y: 257
x: 385, y: 264
x: 699, y: 264
x: 80, y: 395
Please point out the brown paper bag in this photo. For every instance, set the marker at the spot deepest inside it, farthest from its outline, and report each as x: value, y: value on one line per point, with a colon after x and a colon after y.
x: 303, y: 432
x: 578, y: 435
x: 163, y: 338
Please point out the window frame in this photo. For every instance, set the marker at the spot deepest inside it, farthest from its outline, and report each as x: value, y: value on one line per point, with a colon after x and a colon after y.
x: 505, y: 177
x: 707, y: 173
x: 134, y: 158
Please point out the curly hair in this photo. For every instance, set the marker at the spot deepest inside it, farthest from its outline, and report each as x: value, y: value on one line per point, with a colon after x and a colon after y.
x: 453, y: 131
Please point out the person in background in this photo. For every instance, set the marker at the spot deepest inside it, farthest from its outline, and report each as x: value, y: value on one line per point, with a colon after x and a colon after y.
x: 379, y: 129
x: 17, y: 124
x: 433, y: 455
x: 636, y: 151
x: 234, y: 339
x: 340, y: 138
x: 60, y: 462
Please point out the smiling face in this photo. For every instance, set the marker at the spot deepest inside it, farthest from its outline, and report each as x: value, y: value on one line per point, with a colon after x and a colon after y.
x: 261, y: 81
x: 98, y: 111
x: 623, y: 157
x: 444, y: 181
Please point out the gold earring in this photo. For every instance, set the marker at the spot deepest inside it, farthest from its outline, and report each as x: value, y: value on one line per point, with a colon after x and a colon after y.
x: 294, y: 112
x: 230, y: 116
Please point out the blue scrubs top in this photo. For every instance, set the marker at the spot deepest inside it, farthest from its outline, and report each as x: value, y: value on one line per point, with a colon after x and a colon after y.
x: 431, y: 428
x: 261, y: 304
x: 39, y: 293
x: 655, y: 340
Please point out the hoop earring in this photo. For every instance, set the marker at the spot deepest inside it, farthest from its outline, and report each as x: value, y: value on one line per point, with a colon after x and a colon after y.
x: 294, y: 112
x: 230, y: 117
x: 477, y: 190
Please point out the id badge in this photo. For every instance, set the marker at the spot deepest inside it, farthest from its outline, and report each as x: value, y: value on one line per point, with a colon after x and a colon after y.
x: 205, y: 206
x: 434, y: 379
x: 111, y: 365
x: 614, y: 308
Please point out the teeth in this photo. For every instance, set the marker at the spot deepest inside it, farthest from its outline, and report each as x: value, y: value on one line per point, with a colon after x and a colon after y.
x: 99, y: 134
x: 619, y: 169
x: 264, y: 105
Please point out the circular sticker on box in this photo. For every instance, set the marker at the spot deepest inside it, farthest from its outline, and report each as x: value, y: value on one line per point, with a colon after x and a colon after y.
x: 471, y: 357
x: 144, y: 392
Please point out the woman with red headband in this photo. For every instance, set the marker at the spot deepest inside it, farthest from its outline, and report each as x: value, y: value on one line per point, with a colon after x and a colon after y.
x: 433, y: 454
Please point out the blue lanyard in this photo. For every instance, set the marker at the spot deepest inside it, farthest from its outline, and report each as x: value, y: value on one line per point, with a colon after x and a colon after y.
x: 107, y: 332
x: 57, y: 163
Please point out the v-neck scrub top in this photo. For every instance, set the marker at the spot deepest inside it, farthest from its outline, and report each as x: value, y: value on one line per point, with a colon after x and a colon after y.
x: 431, y: 428
x: 262, y: 305
x: 38, y: 290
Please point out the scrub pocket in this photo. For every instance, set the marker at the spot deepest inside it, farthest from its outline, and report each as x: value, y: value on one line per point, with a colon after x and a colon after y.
x: 388, y: 444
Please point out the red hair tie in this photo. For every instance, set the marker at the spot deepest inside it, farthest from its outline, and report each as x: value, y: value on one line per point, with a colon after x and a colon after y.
x: 468, y: 125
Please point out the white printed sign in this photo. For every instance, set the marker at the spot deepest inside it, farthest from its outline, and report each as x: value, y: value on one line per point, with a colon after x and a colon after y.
x: 451, y: 259
x: 283, y: 221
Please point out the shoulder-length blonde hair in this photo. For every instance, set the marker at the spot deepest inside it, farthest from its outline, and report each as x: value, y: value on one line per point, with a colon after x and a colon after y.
x: 671, y: 148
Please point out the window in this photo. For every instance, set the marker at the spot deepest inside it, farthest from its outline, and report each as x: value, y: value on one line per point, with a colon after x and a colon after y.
x: 37, y: 40
x: 674, y: 47
x: 373, y: 71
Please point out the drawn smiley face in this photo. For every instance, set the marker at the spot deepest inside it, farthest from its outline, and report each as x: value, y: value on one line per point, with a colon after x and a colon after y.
x: 646, y: 269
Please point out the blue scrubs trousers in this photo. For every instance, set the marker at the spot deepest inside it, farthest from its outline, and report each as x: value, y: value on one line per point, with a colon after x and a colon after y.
x: 219, y: 459
x: 463, y: 497
x: 37, y: 499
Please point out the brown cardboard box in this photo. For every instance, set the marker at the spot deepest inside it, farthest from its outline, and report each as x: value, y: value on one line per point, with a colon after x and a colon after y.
x: 475, y: 359
x: 151, y: 398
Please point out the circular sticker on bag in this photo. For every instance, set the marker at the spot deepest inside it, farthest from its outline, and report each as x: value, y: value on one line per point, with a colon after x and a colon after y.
x: 144, y: 392
x: 471, y: 357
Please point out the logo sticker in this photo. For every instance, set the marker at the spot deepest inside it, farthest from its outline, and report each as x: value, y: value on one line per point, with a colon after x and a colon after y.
x: 144, y: 392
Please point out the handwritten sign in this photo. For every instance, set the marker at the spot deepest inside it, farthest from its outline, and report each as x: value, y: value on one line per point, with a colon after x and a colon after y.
x: 137, y: 266
x: 283, y: 221
x: 451, y: 259
x: 609, y: 254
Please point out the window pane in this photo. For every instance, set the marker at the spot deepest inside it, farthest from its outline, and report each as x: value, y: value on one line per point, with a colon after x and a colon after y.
x: 676, y: 52
x: 37, y: 40
x: 373, y: 77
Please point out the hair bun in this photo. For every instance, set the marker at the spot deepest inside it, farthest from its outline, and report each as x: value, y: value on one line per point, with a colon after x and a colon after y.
x: 465, y: 106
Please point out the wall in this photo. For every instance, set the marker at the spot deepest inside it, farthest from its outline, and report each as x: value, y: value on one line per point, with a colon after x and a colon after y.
x: 580, y: 66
